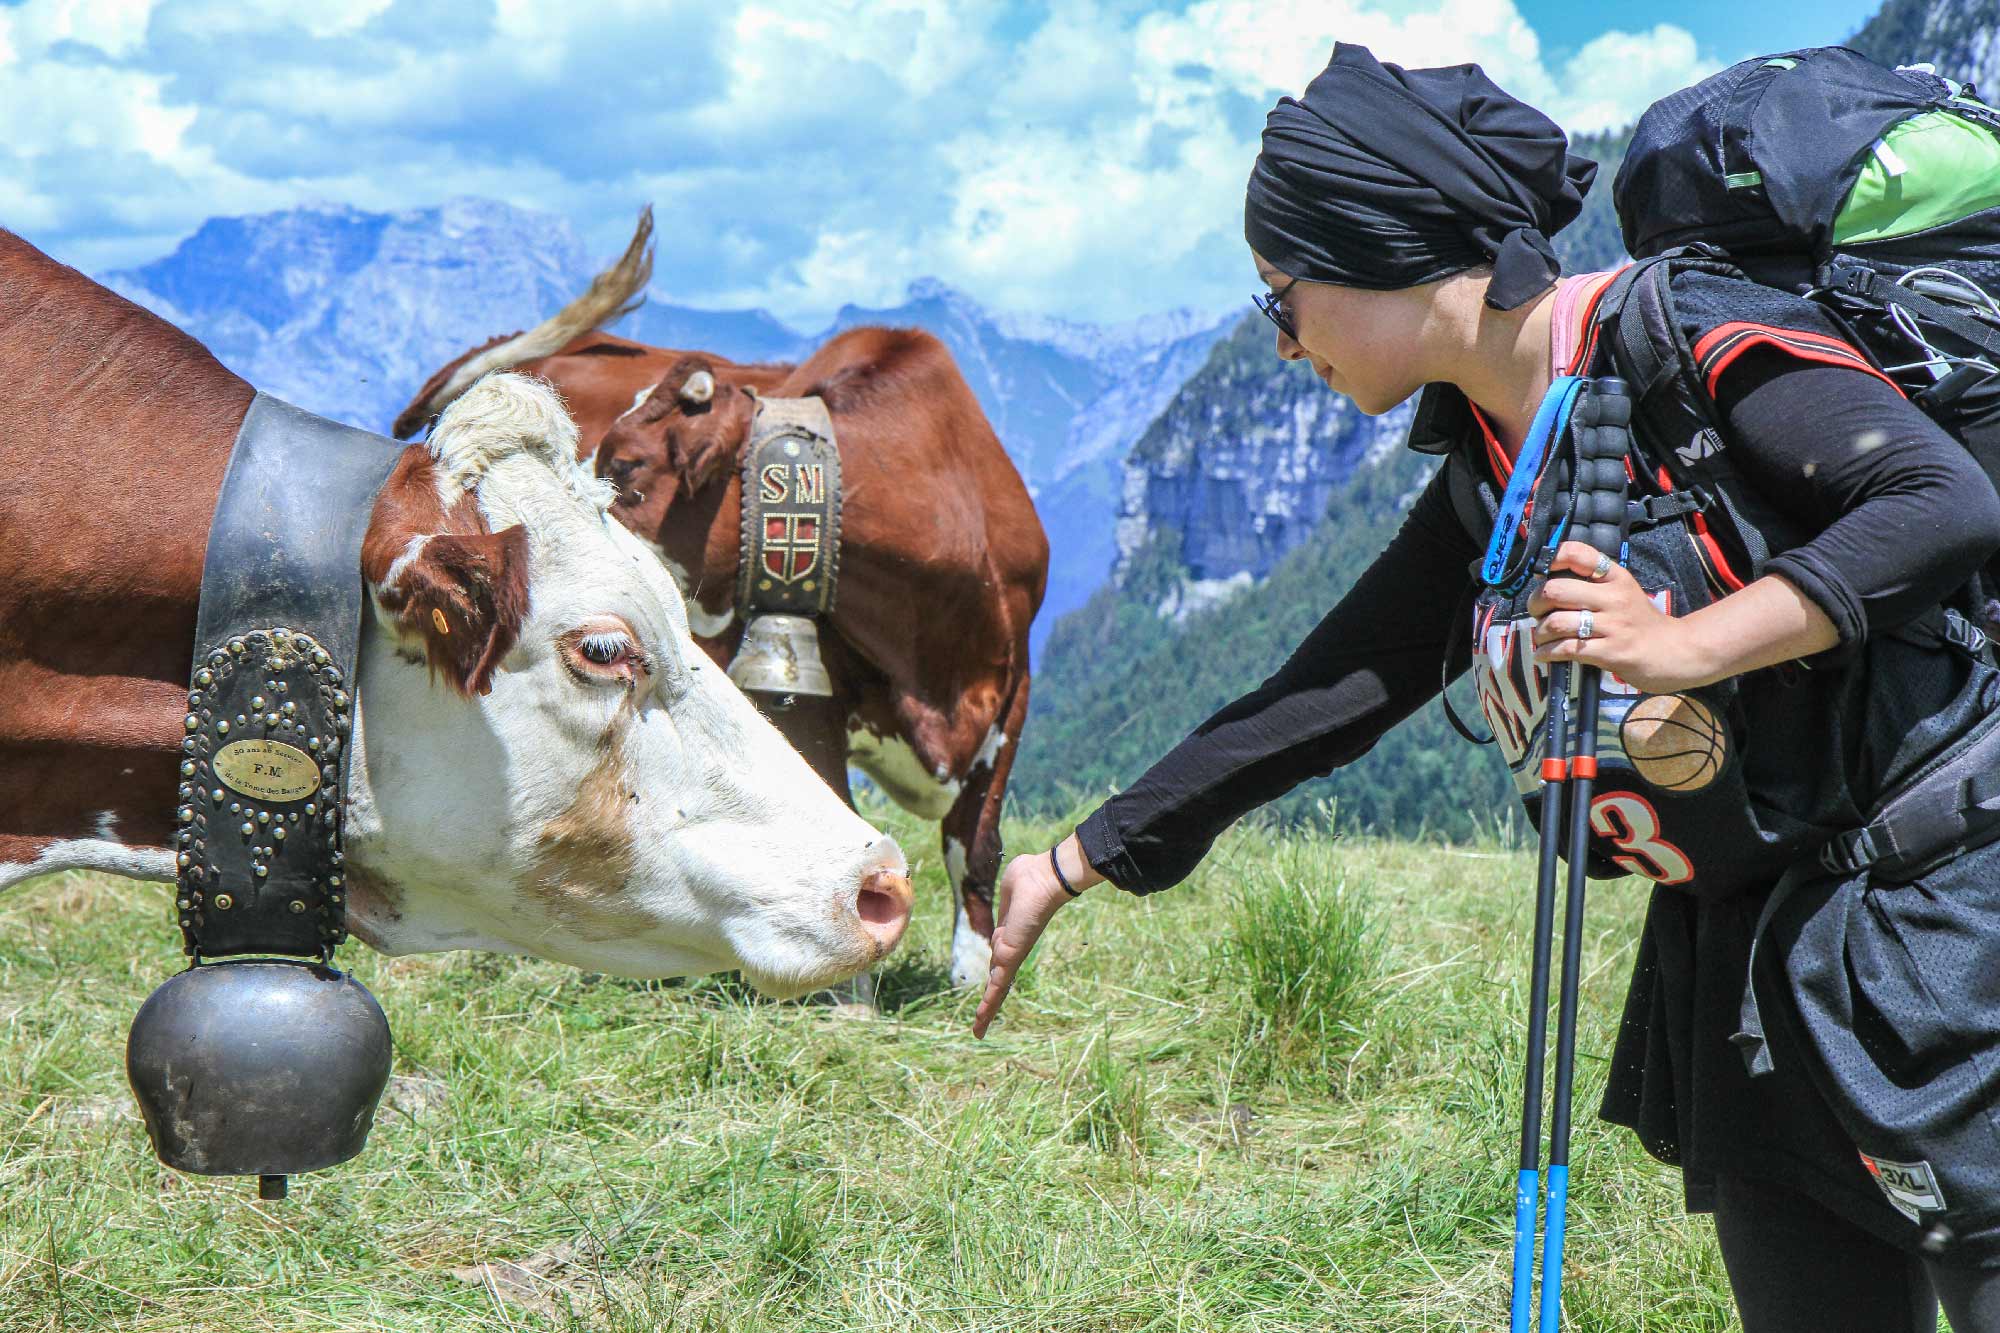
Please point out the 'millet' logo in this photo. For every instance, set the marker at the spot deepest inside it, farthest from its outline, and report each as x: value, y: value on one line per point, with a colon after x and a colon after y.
x: 1705, y: 444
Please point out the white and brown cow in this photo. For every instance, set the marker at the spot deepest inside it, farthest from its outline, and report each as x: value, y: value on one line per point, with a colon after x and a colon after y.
x: 544, y: 761
x: 943, y: 561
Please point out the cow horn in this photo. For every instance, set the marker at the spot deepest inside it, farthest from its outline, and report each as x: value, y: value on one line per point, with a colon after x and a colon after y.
x: 616, y: 292
x: 698, y: 389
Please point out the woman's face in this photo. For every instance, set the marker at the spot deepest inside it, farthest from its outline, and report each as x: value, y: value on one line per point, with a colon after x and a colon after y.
x: 1362, y: 343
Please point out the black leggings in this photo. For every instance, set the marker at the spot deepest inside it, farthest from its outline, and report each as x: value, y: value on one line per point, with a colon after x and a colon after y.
x: 1796, y: 1267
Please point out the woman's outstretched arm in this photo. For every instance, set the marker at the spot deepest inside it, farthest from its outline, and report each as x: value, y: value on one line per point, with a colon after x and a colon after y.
x: 1375, y: 658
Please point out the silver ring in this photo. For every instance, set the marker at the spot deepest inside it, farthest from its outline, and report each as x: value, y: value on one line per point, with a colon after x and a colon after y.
x: 1603, y: 569
x: 1584, y: 625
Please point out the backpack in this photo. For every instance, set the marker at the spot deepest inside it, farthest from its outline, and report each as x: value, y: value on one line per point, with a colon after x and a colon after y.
x: 1872, y: 193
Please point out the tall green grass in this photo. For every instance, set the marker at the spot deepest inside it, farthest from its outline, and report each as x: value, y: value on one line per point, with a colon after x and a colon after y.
x: 1303, y: 946
x: 1281, y: 1097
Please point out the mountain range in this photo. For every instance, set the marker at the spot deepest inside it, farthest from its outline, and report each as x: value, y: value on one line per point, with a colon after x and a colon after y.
x: 346, y: 312
x: 1961, y: 38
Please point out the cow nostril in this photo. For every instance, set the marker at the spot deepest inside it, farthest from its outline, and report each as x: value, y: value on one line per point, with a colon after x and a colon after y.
x: 883, y: 905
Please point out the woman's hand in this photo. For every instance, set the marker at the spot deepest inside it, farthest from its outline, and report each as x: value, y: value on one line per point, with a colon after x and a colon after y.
x: 1769, y: 622
x: 1629, y: 636
x: 1028, y: 898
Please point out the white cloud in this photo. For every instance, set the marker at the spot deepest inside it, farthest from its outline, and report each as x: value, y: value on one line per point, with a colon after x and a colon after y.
x: 1618, y: 74
x: 1279, y: 45
x: 1075, y: 157
x: 115, y: 27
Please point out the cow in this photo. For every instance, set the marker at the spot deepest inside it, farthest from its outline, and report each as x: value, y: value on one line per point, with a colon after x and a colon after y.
x: 943, y: 562
x: 542, y: 761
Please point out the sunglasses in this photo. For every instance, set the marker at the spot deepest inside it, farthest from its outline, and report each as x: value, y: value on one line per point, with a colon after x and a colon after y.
x: 1274, y: 308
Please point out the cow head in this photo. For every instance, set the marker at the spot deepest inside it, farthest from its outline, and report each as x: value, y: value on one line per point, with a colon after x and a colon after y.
x: 681, y: 436
x: 546, y: 764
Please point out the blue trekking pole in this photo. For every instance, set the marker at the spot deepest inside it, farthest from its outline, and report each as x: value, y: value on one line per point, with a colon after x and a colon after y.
x: 1527, y: 1184
x: 1588, y: 504
x: 1532, y: 517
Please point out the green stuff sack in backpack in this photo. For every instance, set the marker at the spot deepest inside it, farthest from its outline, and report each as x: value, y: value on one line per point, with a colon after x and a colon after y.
x: 1873, y: 192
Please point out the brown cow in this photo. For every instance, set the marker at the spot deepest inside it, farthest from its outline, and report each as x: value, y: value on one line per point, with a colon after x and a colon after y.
x: 542, y: 763
x: 943, y: 561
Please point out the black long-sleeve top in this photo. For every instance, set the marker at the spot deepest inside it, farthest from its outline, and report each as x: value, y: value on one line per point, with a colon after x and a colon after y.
x: 1903, y: 515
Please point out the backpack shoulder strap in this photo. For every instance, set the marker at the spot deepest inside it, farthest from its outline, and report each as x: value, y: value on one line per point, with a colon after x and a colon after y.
x: 1677, y: 429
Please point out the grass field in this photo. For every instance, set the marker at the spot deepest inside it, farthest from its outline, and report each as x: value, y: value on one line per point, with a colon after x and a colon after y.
x: 1281, y: 1097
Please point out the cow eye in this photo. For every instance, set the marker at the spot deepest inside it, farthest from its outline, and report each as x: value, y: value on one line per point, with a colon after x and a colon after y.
x: 606, y: 653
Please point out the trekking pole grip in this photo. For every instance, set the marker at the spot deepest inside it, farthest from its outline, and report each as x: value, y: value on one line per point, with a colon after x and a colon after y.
x: 1603, y: 439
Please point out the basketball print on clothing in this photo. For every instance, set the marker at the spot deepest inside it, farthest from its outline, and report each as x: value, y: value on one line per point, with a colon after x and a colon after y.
x: 1674, y: 742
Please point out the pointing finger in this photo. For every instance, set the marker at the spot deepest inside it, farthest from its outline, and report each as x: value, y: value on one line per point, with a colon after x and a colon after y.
x: 998, y: 982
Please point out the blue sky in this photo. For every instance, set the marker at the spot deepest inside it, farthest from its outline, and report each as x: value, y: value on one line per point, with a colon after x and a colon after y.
x: 1733, y: 29
x: 1073, y: 158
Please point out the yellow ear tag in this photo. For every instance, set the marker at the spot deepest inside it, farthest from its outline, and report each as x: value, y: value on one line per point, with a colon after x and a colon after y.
x: 437, y: 618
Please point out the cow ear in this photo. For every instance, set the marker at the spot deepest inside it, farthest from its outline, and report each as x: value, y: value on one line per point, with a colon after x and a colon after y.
x: 465, y: 596
x: 716, y: 446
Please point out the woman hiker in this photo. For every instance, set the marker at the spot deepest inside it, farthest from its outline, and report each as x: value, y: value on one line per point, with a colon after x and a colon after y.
x: 1400, y: 218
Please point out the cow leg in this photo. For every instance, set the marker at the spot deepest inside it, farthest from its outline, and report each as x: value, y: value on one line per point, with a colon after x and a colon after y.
x: 972, y: 843
x: 817, y: 728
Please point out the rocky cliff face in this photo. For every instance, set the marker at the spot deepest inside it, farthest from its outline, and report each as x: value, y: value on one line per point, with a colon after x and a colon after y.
x: 1960, y: 37
x: 1239, y: 468
x: 1068, y: 400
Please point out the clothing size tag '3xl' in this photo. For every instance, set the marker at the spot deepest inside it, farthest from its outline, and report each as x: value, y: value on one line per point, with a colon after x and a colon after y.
x: 1910, y: 1186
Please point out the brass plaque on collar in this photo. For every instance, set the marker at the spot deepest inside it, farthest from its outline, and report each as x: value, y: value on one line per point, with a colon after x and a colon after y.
x: 268, y: 770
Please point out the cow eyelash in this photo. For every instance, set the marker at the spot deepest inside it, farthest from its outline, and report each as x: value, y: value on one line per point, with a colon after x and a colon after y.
x: 604, y: 649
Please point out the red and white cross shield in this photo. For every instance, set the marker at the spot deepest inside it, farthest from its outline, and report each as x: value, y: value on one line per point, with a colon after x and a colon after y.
x: 791, y: 546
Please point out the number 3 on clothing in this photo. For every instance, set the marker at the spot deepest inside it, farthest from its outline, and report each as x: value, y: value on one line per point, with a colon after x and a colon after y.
x: 1632, y: 825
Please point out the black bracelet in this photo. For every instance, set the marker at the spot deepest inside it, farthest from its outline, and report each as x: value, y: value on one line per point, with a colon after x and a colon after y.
x: 1061, y: 878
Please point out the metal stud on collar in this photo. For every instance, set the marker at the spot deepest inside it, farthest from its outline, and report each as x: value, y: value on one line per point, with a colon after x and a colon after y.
x: 249, y: 768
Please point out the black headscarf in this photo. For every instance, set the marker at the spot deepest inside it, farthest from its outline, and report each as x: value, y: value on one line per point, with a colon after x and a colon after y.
x: 1384, y: 177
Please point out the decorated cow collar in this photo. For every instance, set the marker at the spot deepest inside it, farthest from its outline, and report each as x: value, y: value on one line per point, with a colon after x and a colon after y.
x: 790, y: 559
x: 266, y: 1065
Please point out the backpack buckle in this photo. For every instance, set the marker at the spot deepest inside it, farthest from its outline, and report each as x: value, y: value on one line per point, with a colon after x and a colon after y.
x: 1854, y: 279
x: 1963, y: 635
x: 1850, y: 852
x: 1657, y: 509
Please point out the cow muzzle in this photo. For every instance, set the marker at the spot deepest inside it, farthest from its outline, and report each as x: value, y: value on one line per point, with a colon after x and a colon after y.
x: 883, y: 905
